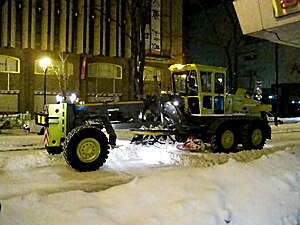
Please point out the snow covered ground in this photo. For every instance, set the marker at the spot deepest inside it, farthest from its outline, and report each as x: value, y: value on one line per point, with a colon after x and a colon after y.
x: 153, y: 185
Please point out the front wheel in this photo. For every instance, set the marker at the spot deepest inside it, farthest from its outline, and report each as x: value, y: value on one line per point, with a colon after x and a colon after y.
x: 253, y: 136
x: 224, y: 140
x: 86, y: 148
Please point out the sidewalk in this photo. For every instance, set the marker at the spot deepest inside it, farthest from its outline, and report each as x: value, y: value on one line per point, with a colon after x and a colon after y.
x: 15, y: 131
x: 19, y: 139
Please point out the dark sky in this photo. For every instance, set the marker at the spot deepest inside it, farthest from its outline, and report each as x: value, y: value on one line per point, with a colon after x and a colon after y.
x: 196, y: 6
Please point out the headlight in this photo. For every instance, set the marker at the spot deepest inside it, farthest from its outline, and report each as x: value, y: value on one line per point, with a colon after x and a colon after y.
x: 176, y: 103
x: 73, y: 98
x: 59, y: 98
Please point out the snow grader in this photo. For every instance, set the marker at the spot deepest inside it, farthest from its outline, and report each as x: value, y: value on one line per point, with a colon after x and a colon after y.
x: 198, y: 107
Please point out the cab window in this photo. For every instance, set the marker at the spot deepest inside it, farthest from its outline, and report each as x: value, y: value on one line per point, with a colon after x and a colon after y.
x: 219, y: 83
x: 205, y: 81
x: 192, y: 84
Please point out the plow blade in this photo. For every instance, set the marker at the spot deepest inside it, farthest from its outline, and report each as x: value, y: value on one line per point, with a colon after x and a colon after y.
x: 151, y: 132
x: 192, y: 145
x: 151, y: 136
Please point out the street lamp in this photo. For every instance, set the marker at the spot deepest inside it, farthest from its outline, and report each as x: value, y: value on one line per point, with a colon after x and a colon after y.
x: 44, y: 64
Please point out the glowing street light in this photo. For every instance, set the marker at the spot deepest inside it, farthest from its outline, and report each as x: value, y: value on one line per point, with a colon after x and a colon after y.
x: 44, y: 64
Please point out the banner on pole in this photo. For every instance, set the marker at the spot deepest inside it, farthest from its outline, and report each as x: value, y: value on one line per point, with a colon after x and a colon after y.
x: 285, y: 7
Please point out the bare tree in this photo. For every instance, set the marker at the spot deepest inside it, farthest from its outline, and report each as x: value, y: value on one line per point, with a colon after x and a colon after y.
x: 62, y: 73
x: 138, y: 13
x: 224, y: 25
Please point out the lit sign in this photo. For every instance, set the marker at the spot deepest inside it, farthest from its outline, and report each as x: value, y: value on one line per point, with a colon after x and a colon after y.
x: 152, y: 32
x: 285, y: 7
x: 155, y: 27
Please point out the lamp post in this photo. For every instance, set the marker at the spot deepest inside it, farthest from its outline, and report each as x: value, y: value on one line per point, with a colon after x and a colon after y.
x: 44, y: 64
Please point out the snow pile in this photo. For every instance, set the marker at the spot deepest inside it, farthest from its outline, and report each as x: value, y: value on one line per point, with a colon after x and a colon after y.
x: 17, y: 142
x: 265, y: 191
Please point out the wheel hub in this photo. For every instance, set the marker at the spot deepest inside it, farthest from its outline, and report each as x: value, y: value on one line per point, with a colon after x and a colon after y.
x: 256, y: 137
x: 227, y: 139
x: 88, y: 150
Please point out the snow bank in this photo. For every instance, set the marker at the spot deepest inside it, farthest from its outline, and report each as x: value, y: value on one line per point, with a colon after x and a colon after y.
x: 265, y: 191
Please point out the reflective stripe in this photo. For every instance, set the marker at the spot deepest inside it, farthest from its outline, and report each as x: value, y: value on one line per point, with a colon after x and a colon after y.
x: 45, y: 109
x: 46, y: 136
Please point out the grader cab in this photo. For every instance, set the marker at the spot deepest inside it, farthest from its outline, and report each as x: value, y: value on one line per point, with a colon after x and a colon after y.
x: 203, y: 89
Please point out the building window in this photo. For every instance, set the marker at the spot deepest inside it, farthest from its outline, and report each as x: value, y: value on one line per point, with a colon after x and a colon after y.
x: 9, y: 64
x: 151, y: 72
x: 107, y: 26
x: 38, y: 24
x: 57, y: 67
x: 57, y: 24
x: 104, y: 70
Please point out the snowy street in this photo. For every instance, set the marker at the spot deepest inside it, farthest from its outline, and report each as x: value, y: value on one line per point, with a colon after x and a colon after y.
x: 34, y: 183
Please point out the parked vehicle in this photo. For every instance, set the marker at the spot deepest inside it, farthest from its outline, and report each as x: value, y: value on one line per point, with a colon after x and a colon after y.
x: 32, y: 127
x: 271, y: 118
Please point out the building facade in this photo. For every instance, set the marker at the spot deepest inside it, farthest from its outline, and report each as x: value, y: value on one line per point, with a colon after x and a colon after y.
x: 89, y: 42
x: 260, y: 60
x: 277, y: 21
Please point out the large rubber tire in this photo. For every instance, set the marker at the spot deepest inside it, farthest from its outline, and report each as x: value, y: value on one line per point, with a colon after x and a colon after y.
x: 86, y: 148
x: 225, y: 140
x: 253, y: 136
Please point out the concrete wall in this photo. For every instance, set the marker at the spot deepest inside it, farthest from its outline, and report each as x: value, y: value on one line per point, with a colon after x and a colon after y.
x: 269, y: 20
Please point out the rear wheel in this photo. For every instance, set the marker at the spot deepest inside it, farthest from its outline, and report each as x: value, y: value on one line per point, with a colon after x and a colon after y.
x: 86, y: 148
x: 253, y: 136
x: 224, y: 140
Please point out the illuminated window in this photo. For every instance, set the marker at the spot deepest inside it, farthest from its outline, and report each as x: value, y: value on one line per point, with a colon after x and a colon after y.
x: 9, y: 64
x: 150, y: 72
x: 57, y: 67
x: 105, y: 70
